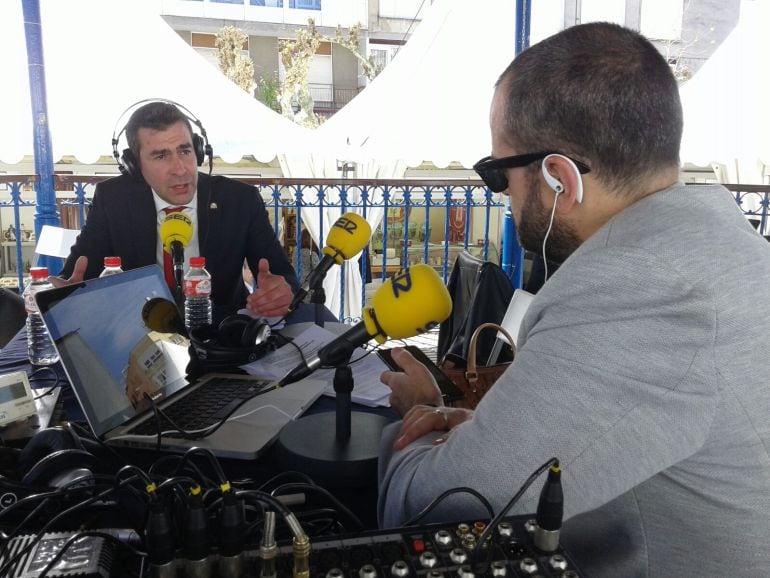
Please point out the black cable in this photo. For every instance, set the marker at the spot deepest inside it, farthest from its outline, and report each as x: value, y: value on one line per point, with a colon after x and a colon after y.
x: 88, y: 434
x: 289, y: 341
x: 307, y: 479
x: 495, y: 521
x: 461, y: 490
x: 23, y: 552
x: 206, y: 481
x: 204, y: 432
x: 266, y: 498
x: 325, y: 493
x: 176, y: 480
x: 137, y: 471
x: 212, y: 459
x: 93, y: 533
x: 48, y: 391
x: 156, y: 413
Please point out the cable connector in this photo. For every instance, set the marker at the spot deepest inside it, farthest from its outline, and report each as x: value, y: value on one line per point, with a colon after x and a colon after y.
x: 160, y: 542
x: 268, y: 549
x: 195, y: 531
x: 550, y: 512
x: 231, y: 533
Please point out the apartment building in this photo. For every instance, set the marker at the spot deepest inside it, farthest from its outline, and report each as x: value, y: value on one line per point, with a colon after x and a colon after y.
x: 335, y: 75
x: 686, y: 31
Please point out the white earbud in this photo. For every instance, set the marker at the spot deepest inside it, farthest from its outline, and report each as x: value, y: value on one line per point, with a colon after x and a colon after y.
x: 556, y: 185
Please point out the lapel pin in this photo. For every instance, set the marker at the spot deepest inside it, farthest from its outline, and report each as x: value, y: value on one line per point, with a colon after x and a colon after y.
x: 213, y: 206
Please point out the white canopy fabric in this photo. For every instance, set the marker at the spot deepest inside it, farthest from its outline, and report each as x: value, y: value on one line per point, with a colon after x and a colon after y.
x: 726, y: 106
x: 432, y: 102
x: 102, y: 56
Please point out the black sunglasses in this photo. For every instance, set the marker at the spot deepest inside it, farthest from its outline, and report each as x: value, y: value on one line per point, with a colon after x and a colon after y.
x: 492, y: 171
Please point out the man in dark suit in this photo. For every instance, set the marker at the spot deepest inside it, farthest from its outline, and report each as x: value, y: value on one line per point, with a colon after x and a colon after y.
x: 160, y: 175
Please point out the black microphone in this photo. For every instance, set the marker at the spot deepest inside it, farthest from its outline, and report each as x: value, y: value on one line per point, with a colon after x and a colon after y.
x: 175, y: 233
x: 348, y: 236
x: 413, y: 301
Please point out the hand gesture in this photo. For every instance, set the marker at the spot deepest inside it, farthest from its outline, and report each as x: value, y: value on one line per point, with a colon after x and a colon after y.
x: 273, y: 294
x: 78, y: 273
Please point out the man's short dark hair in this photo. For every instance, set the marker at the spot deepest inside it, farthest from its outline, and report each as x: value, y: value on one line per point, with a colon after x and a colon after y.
x: 600, y: 93
x: 157, y: 115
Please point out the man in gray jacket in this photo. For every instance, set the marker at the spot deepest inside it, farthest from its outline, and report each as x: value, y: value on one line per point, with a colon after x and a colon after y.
x: 642, y: 363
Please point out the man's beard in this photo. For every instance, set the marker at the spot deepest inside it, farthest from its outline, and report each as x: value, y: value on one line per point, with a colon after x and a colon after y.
x: 533, y: 225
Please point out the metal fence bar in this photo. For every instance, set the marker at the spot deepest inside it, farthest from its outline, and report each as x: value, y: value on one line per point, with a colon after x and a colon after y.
x: 408, y: 195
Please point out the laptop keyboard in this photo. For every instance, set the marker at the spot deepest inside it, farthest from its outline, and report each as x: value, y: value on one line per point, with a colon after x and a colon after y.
x: 207, y: 405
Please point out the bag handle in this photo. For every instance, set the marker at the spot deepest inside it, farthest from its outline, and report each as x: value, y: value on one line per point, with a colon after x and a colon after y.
x: 471, y: 374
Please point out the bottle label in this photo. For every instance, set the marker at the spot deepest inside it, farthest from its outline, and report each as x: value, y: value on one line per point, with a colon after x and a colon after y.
x: 29, y: 301
x: 197, y: 287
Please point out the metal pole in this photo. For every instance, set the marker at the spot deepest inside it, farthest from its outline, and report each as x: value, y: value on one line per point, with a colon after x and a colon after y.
x: 46, y: 213
x: 513, y: 254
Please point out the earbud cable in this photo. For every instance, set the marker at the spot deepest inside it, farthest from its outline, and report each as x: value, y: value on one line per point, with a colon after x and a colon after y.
x: 545, y: 239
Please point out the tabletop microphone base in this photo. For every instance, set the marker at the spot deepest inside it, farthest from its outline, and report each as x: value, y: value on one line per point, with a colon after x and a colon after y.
x: 310, y: 445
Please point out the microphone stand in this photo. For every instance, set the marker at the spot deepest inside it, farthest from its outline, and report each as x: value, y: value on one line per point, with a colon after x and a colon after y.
x: 322, y: 446
x: 177, y: 262
x: 318, y: 299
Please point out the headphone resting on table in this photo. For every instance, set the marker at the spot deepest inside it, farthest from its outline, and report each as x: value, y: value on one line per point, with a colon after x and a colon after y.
x: 239, y: 339
x: 127, y: 161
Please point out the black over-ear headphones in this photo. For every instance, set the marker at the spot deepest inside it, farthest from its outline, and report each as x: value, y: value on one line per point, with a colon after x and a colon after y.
x: 243, y: 331
x: 238, y: 339
x: 127, y: 161
x: 54, y: 457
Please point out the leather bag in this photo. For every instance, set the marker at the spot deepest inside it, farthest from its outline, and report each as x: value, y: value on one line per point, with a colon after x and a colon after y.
x: 475, y: 380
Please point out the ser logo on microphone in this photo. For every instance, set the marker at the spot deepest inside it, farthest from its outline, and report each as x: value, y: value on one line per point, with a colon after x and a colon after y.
x: 347, y: 225
x: 401, y: 282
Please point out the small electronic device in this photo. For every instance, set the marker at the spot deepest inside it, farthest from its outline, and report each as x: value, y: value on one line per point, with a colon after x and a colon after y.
x: 449, y: 391
x: 16, y: 400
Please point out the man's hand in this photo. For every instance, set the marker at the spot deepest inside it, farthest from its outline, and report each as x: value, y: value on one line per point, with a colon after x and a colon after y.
x: 78, y: 273
x: 412, y: 386
x: 423, y: 419
x: 273, y: 294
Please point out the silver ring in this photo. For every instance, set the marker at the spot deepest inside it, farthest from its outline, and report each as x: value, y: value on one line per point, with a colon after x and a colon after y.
x: 442, y: 413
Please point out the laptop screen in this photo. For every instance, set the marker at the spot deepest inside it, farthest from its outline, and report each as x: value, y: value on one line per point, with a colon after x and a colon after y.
x: 119, y: 337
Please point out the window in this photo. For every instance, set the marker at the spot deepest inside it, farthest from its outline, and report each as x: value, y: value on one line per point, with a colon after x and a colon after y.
x: 227, y: 1
x: 305, y: 4
x: 269, y: 3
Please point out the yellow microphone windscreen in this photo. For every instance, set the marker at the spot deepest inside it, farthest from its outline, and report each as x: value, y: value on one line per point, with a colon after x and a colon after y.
x: 411, y: 302
x: 176, y: 227
x: 348, y: 236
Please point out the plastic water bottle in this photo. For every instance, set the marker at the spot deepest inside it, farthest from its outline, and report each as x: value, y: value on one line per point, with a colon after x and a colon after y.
x: 197, y: 294
x: 40, y: 348
x: 112, y: 265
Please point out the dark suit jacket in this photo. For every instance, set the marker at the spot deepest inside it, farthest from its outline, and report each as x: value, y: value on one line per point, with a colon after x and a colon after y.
x: 232, y: 226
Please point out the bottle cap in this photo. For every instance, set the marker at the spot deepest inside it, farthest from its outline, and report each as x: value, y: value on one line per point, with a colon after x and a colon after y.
x: 112, y: 262
x: 197, y: 262
x: 38, y: 272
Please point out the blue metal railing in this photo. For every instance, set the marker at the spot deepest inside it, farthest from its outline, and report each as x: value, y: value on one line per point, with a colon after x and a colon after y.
x: 406, y: 234
x: 464, y: 200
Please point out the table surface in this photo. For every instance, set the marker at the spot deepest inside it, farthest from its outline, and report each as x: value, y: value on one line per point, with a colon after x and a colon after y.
x: 361, y: 499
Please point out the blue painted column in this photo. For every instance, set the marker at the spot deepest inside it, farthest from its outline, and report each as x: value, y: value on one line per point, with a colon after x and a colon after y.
x: 513, y: 254
x: 46, y: 213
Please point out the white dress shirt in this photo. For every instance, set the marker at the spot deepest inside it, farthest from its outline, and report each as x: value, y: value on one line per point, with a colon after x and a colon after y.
x: 191, y: 210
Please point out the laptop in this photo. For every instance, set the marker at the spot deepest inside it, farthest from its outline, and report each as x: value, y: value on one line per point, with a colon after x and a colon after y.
x: 121, y: 339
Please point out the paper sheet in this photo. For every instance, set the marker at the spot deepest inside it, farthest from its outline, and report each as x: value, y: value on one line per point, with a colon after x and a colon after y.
x: 367, y: 366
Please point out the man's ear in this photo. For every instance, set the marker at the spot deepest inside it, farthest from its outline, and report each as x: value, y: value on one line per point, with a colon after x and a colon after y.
x: 563, y: 177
